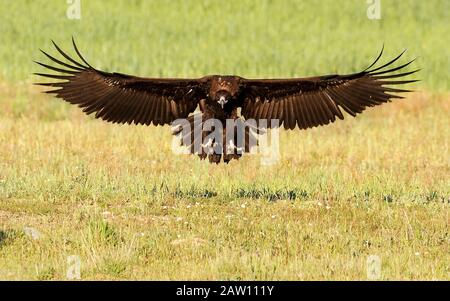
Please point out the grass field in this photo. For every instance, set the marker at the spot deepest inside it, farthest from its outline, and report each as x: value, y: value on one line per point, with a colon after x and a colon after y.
x: 117, y: 197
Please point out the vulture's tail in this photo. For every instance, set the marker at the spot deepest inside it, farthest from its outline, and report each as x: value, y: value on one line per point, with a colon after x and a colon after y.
x: 214, y: 143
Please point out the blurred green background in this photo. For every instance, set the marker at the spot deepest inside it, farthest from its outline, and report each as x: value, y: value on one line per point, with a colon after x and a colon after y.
x: 278, y: 38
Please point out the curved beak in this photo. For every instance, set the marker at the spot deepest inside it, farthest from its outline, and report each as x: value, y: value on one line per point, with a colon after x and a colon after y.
x: 222, y: 101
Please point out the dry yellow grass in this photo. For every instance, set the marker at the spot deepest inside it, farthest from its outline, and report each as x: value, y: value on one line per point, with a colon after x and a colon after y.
x: 117, y: 197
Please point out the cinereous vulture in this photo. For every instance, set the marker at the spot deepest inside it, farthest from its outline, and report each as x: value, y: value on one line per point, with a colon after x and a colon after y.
x: 294, y: 102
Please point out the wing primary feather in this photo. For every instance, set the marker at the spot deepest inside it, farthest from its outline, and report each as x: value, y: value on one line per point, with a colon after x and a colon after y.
x: 357, y: 105
x: 83, y: 84
x: 166, y: 111
x: 285, y: 113
x: 303, y: 110
x: 149, y: 109
x: 164, y: 108
x: 254, y: 109
x: 108, y: 105
x: 366, y: 98
x: 46, y: 84
x: 157, y: 116
x: 56, y: 69
x: 257, y: 112
x: 325, y: 107
x: 297, y: 113
x: 323, y: 114
x: 88, y: 102
x: 374, y: 86
x: 315, y: 108
x: 55, y: 91
x: 370, y: 97
x: 341, y: 101
x: 124, y: 114
x: 270, y: 111
x: 79, y: 54
x: 142, y: 114
x: 169, y: 115
x: 174, y: 108
x: 54, y: 76
x: 245, y: 107
x: 159, y: 112
x: 134, y: 107
x: 61, y: 62
x: 398, y: 82
x: 388, y: 89
x: 116, y: 115
x: 143, y: 105
x: 351, y: 101
x: 333, y: 104
x: 376, y: 60
x: 395, y: 75
x: 309, y: 110
x: 97, y: 102
x: 265, y: 110
x: 387, y: 64
x: 73, y: 91
x: 276, y: 114
x: 68, y: 57
x: 292, y: 119
x: 378, y: 92
x: 391, y: 70
x: 154, y: 111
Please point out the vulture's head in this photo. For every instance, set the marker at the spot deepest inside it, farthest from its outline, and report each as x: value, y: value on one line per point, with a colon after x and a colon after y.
x: 224, y: 89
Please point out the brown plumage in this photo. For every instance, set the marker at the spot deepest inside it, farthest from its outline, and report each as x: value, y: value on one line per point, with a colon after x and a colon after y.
x: 297, y: 102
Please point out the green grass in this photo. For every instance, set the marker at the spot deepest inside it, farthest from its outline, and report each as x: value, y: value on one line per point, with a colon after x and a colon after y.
x: 121, y: 200
x: 250, y: 38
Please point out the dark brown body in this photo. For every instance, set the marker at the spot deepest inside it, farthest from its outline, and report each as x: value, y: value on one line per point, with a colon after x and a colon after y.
x: 229, y: 87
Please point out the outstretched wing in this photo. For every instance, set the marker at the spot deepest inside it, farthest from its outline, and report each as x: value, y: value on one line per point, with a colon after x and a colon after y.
x: 123, y: 98
x: 314, y: 101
